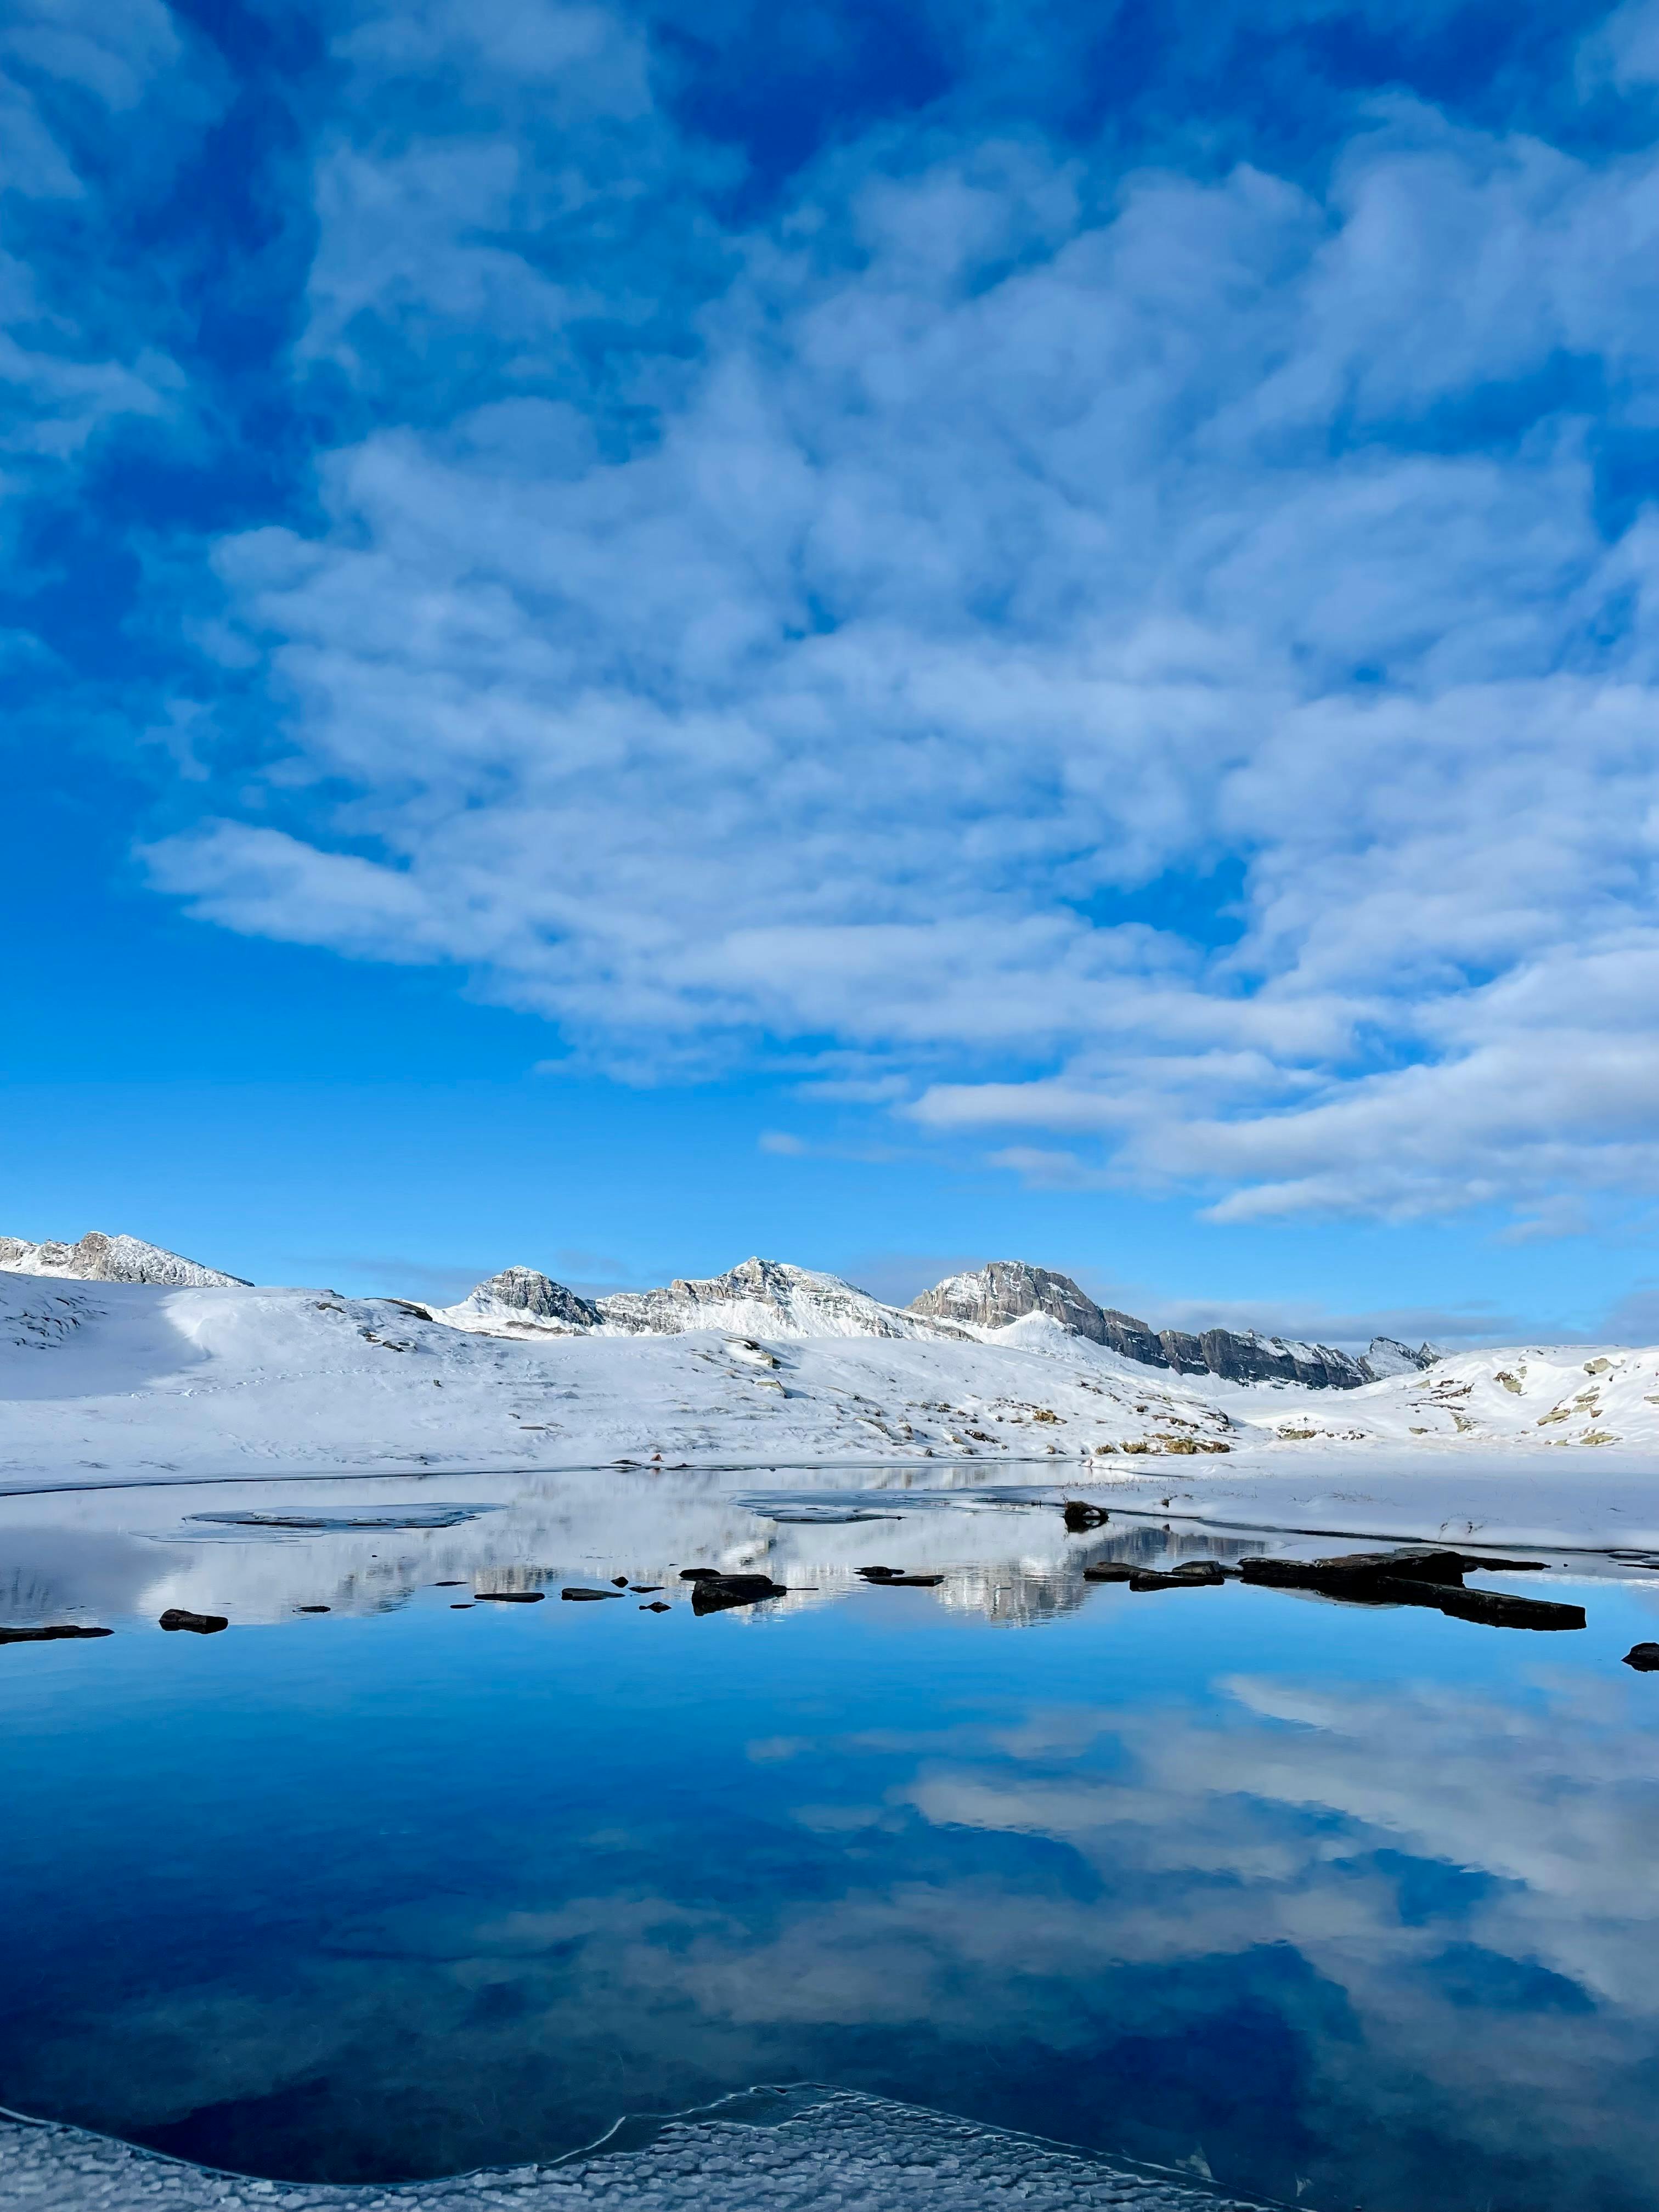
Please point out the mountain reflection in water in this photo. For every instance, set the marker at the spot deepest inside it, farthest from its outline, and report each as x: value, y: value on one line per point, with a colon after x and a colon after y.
x: 1342, y: 1905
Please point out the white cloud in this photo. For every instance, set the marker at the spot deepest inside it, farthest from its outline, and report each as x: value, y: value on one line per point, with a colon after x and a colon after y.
x: 1016, y: 538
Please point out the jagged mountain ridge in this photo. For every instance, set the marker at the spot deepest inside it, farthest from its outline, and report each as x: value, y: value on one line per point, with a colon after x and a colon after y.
x: 765, y: 1297
x: 1005, y: 1291
x: 97, y: 1258
x: 770, y: 1298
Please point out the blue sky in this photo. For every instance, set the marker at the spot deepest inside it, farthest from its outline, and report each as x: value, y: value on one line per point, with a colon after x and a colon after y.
x: 885, y: 634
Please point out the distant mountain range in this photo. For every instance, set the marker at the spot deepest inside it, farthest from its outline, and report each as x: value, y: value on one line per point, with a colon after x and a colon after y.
x: 101, y: 1259
x: 769, y: 1297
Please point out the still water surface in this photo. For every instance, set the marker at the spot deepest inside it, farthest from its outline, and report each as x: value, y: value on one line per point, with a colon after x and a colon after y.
x: 1343, y: 1906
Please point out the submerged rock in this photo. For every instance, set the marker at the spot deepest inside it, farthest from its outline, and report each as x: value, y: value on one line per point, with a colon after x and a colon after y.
x: 1194, y: 1574
x: 657, y: 1606
x: 509, y: 1597
x: 199, y: 1624
x: 57, y: 1632
x: 1416, y: 1574
x: 718, y: 1593
x: 1645, y: 1657
x: 578, y: 1595
x: 1109, y: 1570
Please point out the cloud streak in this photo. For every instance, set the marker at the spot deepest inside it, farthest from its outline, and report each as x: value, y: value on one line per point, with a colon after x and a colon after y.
x: 880, y: 623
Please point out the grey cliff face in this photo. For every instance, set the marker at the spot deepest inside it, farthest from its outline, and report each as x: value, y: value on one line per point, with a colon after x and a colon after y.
x: 101, y: 1259
x: 1251, y: 1358
x: 1184, y: 1354
x: 1004, y: 1290
x: 527, y: 1292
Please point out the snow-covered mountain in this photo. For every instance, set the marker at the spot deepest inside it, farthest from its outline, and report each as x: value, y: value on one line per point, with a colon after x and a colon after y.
x: 765, y: 1297
x: 101, y: 1259
x: 520, y: 1302
x: 1005, y: 1291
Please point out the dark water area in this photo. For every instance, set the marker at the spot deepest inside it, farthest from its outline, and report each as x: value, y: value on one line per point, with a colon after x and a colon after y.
x: 1342, y: 1905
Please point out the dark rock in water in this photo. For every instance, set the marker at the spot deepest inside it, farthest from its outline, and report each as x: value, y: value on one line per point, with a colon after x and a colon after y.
x: 1080, y: 1515
x: 1199, y: 1574
x: 620, y: 1581
x: 1499, y: 1609
x: 1109, y: 1570
x: 467, y: 1607
x: 455, y: 1582
x: 1415, y: 1574
x: 644, y: 1590
x: 580, y: 1597
x: 657, y: 1606
x: 1350, y: 1572
x: 313, y: 1608
x: 1645, y: 1657
x: 700, y: 1574
x: 509, y: 1597
x: 722, y: 1591
x: 58, y: 1632
x: 878, y: 1574
x: 199, y: 1624
x: 906, y: 1581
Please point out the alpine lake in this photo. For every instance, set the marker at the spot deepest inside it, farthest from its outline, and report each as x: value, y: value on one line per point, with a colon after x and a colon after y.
x: 1319, y: 1898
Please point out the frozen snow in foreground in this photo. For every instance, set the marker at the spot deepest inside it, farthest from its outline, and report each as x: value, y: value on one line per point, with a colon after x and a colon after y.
x: 120, y: 1384
x: 833, y: 2149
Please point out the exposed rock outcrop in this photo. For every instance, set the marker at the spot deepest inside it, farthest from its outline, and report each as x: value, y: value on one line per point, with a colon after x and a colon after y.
x: 1004, y: 1290
x: 101, y: 1259
x: 521, y: 1301
x: 1250, y: 1358
x: 524, y: 1291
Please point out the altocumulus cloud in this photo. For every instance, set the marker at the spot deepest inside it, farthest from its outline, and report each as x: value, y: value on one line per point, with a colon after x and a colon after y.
x: 1146, y: 658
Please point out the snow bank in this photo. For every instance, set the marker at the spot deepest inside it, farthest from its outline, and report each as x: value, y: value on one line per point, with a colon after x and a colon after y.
x: 829, y: 2147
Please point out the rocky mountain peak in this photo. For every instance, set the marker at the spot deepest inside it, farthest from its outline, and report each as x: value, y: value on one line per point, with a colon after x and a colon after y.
x: 1004, y: 1290
x: 524, y: 1290
x: 97, y: 1258
x: 1387, y: 1356
x: 763, y: 1298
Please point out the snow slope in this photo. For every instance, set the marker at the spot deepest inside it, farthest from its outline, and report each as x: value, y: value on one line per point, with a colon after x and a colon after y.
x: 112, y: 1383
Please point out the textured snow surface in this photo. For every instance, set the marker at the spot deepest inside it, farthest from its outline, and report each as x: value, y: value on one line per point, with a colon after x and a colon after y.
x: 846, y: 2150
